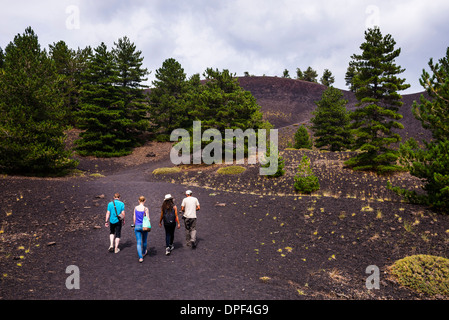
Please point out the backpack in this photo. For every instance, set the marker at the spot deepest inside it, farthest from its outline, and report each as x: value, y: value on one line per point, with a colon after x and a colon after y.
x: 169, y: 217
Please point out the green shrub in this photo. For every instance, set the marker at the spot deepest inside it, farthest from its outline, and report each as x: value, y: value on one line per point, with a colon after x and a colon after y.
x: 302, y: 138
x: 231, y: 170
x: 305, y: 180
x: 423, y: 273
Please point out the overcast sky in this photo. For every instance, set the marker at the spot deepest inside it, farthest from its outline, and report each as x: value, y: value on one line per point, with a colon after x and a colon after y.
x: 257, y: 36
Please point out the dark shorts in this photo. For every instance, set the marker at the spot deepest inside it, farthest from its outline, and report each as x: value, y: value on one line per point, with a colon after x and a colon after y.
x: 115, y: 229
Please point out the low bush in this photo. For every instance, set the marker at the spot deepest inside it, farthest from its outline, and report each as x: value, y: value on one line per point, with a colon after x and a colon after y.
x: 231, y: 170
x: 423, y: 273
x: 166, y: 170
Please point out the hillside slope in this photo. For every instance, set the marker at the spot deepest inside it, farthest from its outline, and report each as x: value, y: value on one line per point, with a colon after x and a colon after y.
x: 286, y: 102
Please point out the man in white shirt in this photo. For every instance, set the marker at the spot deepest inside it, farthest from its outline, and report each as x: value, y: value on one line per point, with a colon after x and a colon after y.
x: 190, y: 206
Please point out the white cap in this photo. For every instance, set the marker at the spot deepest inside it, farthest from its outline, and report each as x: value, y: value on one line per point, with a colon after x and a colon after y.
x: 189, y: 192
x: 168, y: 196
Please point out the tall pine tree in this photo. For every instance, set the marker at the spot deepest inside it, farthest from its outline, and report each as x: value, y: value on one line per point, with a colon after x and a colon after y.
x: 112, y: 113
x: 70, y: 64
x: 376, y: 86
x: 131, y: 75
x: 431, y: 164
x: 31, y: 111
x: 102, y: 113
x: 167, y: 99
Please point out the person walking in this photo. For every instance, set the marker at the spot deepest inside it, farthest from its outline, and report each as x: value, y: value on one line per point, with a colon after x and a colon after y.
x: 140, y: 212
x: 169, y: 213
x: 115, y: 218
x: 190, y: 205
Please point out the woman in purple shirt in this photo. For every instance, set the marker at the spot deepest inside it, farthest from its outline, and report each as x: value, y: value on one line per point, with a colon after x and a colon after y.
x: 141, y: 236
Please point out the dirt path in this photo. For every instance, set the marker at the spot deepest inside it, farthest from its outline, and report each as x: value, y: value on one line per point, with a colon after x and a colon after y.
x: 216, y: 269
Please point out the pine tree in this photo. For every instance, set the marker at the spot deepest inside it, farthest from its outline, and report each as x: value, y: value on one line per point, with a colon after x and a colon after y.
x: 31, y: 112
x: 223, y: 104
x: 431, y: 164
x: 327, y: 79
x: 376, y: 84
x: 131, y: 75
x: 310, y: 75
x: 2, y: 59
x: 305, y: 179
x: 299, y: 74
x: 69, y: 65
x: 168, y: 99
x: 302, y: 138
x: 102, y: 112
x: 331, y: 120
x: 349, y: 76
x: 112, y: 113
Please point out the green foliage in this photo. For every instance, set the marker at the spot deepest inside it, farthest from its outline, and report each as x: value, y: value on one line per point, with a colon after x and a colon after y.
x: 220, y: 103
x: 224, y: 104
x: 309, y: 75
x: 299, y: 74
x: 327, y: 79
x: 305, y: 180
x: 70, y: 65
x: 168, y: 107
x: 2, y: 59
x: 302, y: 138
x: 31, y: 113
x: 423, y: 273
x: 331, y: 120
x: 433, y: 113
x: 350, y: 73
x: 431, y: 164
x: 113, y: 112
x: 286, y: 74
x: 376, y: 85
